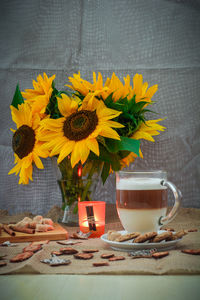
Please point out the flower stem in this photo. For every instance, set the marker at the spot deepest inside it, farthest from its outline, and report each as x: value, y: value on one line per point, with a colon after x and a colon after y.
x: 89, y: 182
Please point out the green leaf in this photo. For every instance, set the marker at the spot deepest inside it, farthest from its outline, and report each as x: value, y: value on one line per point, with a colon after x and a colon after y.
x: 105, y: 172
x: 125, y: 143
x: 106, y: 156
x: 52, y: 106
x: 17, y: 99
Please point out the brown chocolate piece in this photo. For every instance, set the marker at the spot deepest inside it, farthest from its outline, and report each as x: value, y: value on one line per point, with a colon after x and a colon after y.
x: 145, y: 237
x: 127, y: 237
x: 83, y: 255
x: 8, y: 230
x: 3, y: 263
x: 68, y: 250
x: 160, y: 254
x: 32, y: 248
x: 100, y: 264
x: 57, y: 253
x: 191, y: 251
x: 161, y: 237
x: 21, y: 256
x: 90, y: 250
x: 115, y: 258
x: 192, y: 230
x: 107, y: 255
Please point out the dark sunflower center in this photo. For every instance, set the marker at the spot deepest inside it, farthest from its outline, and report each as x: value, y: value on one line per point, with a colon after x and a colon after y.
x: 23, y: 141
x: 80, y: 125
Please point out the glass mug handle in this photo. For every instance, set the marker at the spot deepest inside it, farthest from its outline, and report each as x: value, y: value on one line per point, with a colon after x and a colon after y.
x: 178, y: 197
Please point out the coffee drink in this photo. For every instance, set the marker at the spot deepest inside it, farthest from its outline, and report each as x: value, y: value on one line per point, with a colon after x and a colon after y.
x: 141, y: 202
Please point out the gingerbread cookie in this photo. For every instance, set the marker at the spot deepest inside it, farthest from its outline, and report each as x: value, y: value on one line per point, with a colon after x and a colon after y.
x: 145, y: 237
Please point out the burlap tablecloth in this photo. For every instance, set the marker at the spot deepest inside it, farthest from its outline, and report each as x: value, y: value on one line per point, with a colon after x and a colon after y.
x: 175, y: 263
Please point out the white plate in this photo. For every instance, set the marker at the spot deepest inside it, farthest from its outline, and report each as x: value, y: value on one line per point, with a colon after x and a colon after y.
x: 128, y: 245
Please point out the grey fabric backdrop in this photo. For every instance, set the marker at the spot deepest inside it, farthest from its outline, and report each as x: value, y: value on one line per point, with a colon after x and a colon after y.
x: 159, y: 39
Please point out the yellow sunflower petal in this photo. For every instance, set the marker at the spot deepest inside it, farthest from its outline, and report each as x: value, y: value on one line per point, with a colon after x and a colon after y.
x: 15, y: 169
x: 66, y: 105
x: 83, y: 151
x: 37, y: 161
x: 75, y: 157
x: 109, y: 132
x: 66, y: 150
x: 56, y: 150
x: 93, y: 145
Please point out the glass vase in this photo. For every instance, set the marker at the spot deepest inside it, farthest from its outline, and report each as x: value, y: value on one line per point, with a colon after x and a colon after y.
x: 76, y: 184
x: 74, y: 192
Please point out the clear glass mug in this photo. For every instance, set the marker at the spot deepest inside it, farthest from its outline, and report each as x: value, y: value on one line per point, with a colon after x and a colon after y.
x: 141, y: 200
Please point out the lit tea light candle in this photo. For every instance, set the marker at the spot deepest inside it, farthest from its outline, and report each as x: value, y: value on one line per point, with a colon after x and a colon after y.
x: 92, y: 217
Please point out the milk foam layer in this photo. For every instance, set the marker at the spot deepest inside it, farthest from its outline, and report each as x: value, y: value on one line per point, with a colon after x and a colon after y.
x: 139, y: 184
x: 141, y: 220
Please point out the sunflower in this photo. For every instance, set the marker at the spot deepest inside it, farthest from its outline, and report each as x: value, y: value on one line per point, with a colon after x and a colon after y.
x: 77, y: 131
x: 146, y: 131
x: 25, y: 143
x: 115, y: 86
x: 39, y: 97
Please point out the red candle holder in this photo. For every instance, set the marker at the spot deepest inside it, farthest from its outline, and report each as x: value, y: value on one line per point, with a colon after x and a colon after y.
x: 92, y: 217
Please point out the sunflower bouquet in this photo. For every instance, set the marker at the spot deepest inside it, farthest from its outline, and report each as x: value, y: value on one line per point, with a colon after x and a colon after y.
x: 95, y: 128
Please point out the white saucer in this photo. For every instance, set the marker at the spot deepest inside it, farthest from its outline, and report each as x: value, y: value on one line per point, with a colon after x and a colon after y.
x: 129, y: 246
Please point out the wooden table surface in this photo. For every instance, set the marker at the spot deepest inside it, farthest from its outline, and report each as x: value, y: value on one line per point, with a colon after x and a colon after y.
x: 99, y: 287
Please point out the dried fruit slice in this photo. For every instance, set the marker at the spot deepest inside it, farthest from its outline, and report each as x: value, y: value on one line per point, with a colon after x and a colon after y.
x: 3, y: 263
x: 107, y: 255
x: 32, y: 248
x: 160, y: 254
x: 192, y: 230
x: 21, y: 256
x: 100, y: 264
x: 83, y: 255
x: 115, y: 258
x: 57, y: 253
x: 191, y: 251
x: 90, y: 250
x: 68, y: 250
